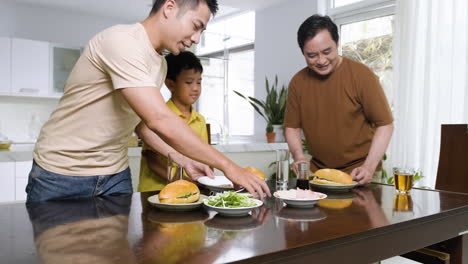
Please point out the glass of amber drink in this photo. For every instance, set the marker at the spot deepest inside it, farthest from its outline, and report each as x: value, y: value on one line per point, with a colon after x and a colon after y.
x: 403, y: 178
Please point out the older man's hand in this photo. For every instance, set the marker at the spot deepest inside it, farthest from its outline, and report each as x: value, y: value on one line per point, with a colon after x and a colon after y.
x: 362, y: 175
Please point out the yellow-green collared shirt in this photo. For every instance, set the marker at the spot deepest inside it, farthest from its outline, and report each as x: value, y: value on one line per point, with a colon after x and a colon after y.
x: 150, y: 181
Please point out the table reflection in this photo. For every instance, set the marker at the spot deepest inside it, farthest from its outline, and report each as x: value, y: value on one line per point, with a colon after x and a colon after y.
x: 196, y: 236
x: 98, y: 230
x: 366, y: 199
x: 82, y: 231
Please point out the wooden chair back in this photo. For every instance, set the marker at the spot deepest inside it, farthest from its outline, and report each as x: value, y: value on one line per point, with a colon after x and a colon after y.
x: 208, y: 129
x: 452, y: 174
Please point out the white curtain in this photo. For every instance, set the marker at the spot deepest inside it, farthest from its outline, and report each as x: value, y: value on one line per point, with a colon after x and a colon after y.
x: 430, y: 79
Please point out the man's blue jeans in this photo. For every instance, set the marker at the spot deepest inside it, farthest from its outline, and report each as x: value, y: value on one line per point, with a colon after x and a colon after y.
x: 45, y: 185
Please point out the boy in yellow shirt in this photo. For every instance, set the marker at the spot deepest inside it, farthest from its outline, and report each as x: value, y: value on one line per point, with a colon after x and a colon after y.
x: 184, y: 81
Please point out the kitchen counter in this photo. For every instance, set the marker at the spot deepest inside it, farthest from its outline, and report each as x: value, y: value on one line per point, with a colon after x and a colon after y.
x: 361, y: 227
x: 23, y: 152
x: 231, y: 148
x: 17, y: 152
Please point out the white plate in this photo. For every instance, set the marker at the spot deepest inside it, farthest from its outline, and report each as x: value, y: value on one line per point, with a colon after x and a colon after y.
x: 334, y: 187
x: 238, y: 211
x: 154, y: 200
x: 218, y: 184
x: 300, y: 203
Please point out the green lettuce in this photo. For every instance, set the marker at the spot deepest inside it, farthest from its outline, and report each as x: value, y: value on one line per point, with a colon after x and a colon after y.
x: 232, y: 200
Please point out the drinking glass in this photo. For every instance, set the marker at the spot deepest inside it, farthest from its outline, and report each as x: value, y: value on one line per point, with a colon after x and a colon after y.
x: 282, y: 168
x: 403, y: 178
x: 174, y: 171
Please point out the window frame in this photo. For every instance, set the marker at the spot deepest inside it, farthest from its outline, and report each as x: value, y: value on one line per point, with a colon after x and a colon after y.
x: 224, y: 54
x: 364, y: 10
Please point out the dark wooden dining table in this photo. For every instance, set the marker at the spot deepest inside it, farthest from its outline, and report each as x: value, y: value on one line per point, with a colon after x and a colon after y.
x: 369, y: 224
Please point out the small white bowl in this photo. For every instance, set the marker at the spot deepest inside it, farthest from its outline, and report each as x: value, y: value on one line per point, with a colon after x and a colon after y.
x: 238, y: 211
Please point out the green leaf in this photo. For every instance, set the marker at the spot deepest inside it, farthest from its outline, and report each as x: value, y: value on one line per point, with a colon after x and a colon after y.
x: 258, y: 102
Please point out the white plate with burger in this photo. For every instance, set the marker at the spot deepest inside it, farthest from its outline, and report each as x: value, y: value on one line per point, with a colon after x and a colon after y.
x: 332, y: 180
x: 230, y: 203
x: 218, y: 184
x: 300, y: 198
x: 180, y: 195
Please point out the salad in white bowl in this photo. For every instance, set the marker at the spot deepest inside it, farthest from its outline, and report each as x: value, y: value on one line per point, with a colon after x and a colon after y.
x: 230, y: 203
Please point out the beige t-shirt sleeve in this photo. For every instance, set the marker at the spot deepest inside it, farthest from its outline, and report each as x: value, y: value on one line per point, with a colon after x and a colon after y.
x: 373, y: 100
x: 292, y: 113
x: 124, y: 58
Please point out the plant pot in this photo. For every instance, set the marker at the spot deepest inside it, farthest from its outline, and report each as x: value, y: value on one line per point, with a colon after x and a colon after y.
x: 278, y: 129
x: 271, y: 137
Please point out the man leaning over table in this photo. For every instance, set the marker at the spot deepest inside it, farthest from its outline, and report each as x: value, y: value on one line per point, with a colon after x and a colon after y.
x: 339, y: 105
x: 112, y: 91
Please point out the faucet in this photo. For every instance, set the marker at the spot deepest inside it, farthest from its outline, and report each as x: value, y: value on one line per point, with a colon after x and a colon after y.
x: 223, y: 136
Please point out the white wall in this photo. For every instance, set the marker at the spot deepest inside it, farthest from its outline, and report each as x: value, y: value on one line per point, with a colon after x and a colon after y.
x: 16, y: 114
x: 7, y: 11
x: 46, y: 24
x: 58, y: 25
x: 276, y: 49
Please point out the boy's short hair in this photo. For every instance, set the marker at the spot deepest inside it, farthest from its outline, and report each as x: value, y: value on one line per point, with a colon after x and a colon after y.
x: 189, y: 4
x: 186, y: 60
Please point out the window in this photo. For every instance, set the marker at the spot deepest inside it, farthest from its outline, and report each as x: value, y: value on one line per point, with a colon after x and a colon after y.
x: 227, y: 50
x: 366, y: 35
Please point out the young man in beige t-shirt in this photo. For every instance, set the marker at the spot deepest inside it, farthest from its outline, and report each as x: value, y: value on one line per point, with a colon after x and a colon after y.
x: 114, y: 90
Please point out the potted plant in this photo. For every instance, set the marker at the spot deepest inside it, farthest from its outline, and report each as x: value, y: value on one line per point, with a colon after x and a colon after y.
x: 272, y: 108
x: 270, y: 134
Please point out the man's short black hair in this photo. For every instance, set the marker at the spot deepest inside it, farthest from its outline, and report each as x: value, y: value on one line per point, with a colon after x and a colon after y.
x: 186, y: 60
x: 191, y: 4
x: 313, y: 25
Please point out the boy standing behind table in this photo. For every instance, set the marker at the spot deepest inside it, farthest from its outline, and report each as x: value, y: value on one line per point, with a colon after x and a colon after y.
x: 184, y: 81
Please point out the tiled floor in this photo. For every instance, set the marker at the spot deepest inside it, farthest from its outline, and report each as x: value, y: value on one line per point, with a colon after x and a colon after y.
x: 398, y: 260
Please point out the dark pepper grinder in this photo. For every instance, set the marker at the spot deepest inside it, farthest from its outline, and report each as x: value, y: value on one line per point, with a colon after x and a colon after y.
x: 302, y: 178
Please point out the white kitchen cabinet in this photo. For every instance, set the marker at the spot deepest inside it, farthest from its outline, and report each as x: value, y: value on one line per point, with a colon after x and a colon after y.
x: 20, y: 189
x: 5, y: 65
x: 22, y: 169
x: 63, y: 60
x: 30, y: 67
x: 7, y: 177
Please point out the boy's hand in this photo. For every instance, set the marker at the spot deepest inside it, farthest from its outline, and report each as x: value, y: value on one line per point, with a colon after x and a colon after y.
x: 196, y: 170
x: 242, y: 177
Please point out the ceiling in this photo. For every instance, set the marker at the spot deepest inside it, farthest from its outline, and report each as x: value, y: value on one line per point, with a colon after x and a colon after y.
x: 135, y: 10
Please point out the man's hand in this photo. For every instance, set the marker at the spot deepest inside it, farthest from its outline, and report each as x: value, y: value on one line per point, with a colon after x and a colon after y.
x: 253, y: 184
x: 362, y: 175
x: 296, y: 162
